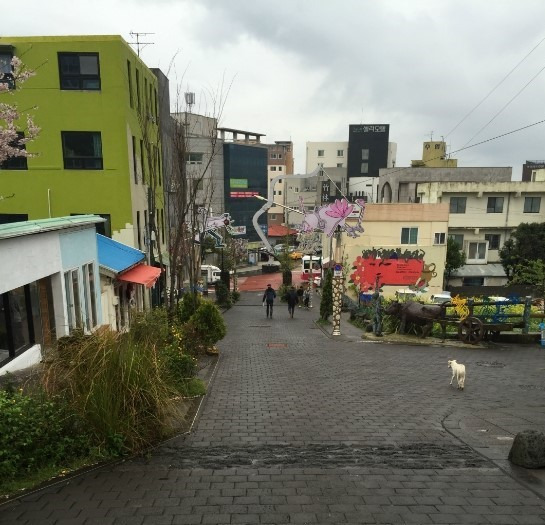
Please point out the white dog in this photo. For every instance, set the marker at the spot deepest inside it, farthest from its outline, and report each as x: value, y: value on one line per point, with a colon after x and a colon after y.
x: 458, y: 371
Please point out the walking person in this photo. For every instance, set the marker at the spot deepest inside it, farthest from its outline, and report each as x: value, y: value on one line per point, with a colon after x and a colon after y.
x: 306, y: 297
x: 268, y: 298
x: 292, y: 300
x: 300, y: 293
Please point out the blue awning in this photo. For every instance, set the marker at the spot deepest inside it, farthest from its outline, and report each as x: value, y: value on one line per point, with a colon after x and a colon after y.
x: 116, y: 256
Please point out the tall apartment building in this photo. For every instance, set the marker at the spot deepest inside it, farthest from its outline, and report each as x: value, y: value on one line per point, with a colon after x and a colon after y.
x: 97, y: 152
x: 280, y: 163
x: 367, y: 151
x: 245, y: 173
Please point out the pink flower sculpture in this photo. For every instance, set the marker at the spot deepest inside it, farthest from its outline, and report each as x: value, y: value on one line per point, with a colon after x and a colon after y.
x: 340, y: 209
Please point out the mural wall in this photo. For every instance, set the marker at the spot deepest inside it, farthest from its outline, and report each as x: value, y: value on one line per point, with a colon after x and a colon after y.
x: 394, y: 267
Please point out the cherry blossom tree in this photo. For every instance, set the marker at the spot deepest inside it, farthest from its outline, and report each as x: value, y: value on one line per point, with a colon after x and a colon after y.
x: 12, y: 137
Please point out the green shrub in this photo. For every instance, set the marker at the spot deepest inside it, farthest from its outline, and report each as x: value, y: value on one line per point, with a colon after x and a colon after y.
x: 235, y: 296
x: 287, y: 277
x: 209, y: 324
x: 326, y: 303
x: 282, y: 292
x: 188, y: 306
x: 192, y: 387
x: 117, y: 385
x: 36, y: 432
x: 223, y: 296
x: 151, y: 326
x: 180, y: 367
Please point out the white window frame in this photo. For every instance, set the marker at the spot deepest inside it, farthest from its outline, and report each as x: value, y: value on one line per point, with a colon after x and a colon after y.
x: 439, y: 238
x: 340, y: 153
x: 72, y: 309
x: 321, y: 153
x: 198, y: 158
x: 476, y: 260
x: 273, y: 168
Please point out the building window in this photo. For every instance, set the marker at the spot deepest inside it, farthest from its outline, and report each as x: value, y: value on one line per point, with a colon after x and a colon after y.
x: 71, y: 290
x: 364, y: 167
x: 495, y: 205
x: 134, y: 164
x: 82, y: 150
x: 532, y: 204
x: 79, y: 71
x: 272, y: 216
x: 280, y: 155
x: 459, y: 239
x: 279, y: 168
x: 340, y: 153
x: 194, y: 158
x: 129, y: 76
x: 296, y: 190
x: 137, y: 73
x: 473, y: 281
x: 273, y: 155
x: 476, y: 251
x: 273, y: 168
x: 89, y: 296
x: 138, y: 234
x: 364, y: 154
x: 18, y: 162
x: 439, y: 238
x: 493, y: 240
x: 458, y: 204
x: 320, y: 153
x: 6, y: 70
x: 409, y: 235
x: 339, y: 164
x: 142, y: 165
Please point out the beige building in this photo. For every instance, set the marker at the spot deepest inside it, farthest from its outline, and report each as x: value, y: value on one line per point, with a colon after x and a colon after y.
x: 481, y: 218
x: 326, y: 155
x: 434, y: 155
x: 280, y: 162
x: 404, y: 244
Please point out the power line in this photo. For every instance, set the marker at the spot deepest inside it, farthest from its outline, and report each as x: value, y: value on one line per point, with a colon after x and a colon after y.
x: 501, y: 110
x: 494, y: 88
x: 466, y: 147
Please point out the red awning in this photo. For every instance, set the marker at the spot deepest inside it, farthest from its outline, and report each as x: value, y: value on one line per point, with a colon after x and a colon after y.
x: 141, y: 274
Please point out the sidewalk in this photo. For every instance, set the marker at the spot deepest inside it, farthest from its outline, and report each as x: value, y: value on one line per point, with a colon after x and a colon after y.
x: 300, y: 427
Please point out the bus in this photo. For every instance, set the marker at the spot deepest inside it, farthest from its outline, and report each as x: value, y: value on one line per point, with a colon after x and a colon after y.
x: 314, y: 262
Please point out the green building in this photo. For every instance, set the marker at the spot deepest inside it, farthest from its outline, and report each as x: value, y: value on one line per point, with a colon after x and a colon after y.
x: 98, y: 151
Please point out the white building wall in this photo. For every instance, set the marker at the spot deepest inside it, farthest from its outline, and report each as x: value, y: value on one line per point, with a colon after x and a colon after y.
x: 330, y: 157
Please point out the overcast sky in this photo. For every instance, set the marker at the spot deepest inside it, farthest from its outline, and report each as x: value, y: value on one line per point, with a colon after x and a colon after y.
x: 306, y: 69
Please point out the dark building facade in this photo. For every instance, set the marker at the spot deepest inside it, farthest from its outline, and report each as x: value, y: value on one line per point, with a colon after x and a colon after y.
x: 529, y: 166
x: 245, y: 171
x: 367, y: 149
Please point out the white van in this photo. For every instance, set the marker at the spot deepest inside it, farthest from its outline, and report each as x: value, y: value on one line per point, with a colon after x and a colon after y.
x: 210, y: 274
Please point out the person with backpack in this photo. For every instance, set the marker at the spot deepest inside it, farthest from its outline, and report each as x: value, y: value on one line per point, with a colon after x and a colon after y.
x: 292, y: 300
x: 268, y: 299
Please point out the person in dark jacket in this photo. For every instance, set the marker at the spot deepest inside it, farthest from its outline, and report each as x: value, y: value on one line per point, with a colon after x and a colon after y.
x: 268, y: 298
x: 300, y: 293
x: 292, y: 300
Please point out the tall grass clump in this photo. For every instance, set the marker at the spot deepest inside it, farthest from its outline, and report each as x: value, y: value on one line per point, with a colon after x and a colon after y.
x: 117, y: 384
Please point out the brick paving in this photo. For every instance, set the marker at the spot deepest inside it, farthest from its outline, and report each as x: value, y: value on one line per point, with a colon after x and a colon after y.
x: 298, y: 427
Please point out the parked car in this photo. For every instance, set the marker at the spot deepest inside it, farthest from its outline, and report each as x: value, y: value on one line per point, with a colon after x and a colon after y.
x: 296, y: 254
x: 442, y: 297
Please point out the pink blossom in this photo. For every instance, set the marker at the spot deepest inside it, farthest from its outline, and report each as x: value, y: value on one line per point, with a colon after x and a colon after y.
x: 340, y: 209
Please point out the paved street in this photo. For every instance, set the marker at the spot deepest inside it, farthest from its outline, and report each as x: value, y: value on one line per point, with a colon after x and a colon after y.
x: 300, y: 428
